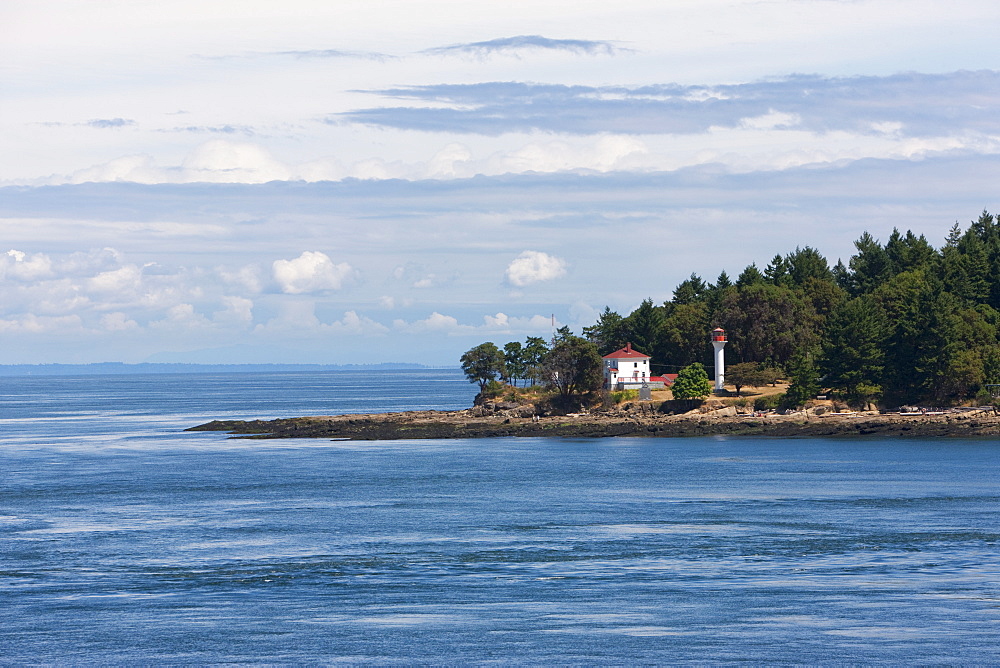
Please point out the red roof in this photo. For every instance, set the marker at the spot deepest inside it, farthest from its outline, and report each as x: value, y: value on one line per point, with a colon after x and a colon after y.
x: 626, y: 353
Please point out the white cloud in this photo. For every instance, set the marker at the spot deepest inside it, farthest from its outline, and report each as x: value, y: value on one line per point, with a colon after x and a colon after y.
x: 295, y: 317
x: 502, y: 323
x: 498, y: 321
x: 534, y: 266
x: 30, y: 323
x: 770, y: 121
x: 602, y: 154
x: 19, y: 265
x: 181, y: 316
x: 118, y: 322
x: 435, y: 322
x: 247, y: 278
x: 234, y: 162
x: 298, y: 319
x: 775, y: 140
x: 389, y: 302
x: 355, y: 324
x: 136, y: 168
x: 417, y: 276
x: 237, y: 310
x: 122, y: 281
x: 88, y: 263
x: 312, y: 271
x: 450, y: 162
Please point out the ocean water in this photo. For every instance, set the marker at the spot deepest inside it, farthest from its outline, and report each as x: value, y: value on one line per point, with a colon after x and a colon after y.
x: 125, y: 540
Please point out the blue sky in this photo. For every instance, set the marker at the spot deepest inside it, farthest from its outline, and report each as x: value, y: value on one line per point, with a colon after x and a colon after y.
x: 346, y: 182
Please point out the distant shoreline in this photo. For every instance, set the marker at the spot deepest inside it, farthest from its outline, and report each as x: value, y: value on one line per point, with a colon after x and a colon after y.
x: 122, y: 368
x: 470, y: 424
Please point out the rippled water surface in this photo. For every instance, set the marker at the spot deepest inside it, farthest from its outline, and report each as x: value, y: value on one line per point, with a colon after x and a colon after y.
x: 126, y: 540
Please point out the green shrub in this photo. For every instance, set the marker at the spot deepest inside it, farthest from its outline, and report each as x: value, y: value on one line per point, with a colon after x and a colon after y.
x: 985, y: 398
x: 768, y: 402
x: 493, y: 389
x: 621, y: 396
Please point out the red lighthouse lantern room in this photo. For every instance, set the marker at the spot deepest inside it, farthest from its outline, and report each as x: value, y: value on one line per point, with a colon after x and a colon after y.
x: 718, y: 334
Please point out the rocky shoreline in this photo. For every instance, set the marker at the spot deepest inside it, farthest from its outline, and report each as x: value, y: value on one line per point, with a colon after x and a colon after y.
x: 480, y: 422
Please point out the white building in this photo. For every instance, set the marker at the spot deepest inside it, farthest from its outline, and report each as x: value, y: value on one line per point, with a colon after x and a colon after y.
x: 628, y: 369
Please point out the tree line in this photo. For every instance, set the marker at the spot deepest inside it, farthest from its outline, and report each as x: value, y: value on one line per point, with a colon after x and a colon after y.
x: 571, y: 365
x: 900, y: 323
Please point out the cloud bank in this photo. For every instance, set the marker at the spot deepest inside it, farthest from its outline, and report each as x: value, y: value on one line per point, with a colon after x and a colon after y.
x: 527, y: 43
x: 916, y: 105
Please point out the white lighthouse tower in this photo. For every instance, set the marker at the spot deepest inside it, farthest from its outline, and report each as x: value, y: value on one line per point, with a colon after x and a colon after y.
x: 719, y: 343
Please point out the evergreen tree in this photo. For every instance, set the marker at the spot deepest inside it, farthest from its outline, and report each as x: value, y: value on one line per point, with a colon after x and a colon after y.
x: 967, y: 352
x: 691, y: 290
x: 869, y: 268
x: 908, y: 252
x: 607, y: 333
x: 854, y: 351
x: 970, y: 270
x: 776, y: 272
x: 913, y: 341
x: 715, y: 293
x: 805, y: 264
x: 745, y: 374
x: 513, y: 361
x: 573, y: 366
x: 804, y: 375
x: 532, y: 354
x: 483, y: 364
x: 722, y: 282
x: 750, y: 276
x: 824, y: 295
x: 987, y: 229
x: 684, y: 336
x: 841, y: 276
x: 643, y: 327
x: 767, y: 323
x: 562, y: 334
x: 985, y: 226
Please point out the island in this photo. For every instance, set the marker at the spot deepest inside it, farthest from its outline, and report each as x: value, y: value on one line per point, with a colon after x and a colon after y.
x: 635, y: 420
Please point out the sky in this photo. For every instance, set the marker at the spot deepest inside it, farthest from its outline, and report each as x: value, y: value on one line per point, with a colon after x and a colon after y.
x: 347, y: 182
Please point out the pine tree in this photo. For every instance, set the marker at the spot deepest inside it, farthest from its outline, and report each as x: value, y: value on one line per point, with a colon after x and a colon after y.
x: 853, y: 351
x: 607, y: 333
x: 691, y: 290
x: 483, y: 364
x: 573, y: 366
x: 513, y: 361
x: 776, y: 272
x: 869, y: 268
x: 683, y: 336
x: 644, y: 327
x: 804, y: 375
x: 750, y: 276
x: 807, y: 263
